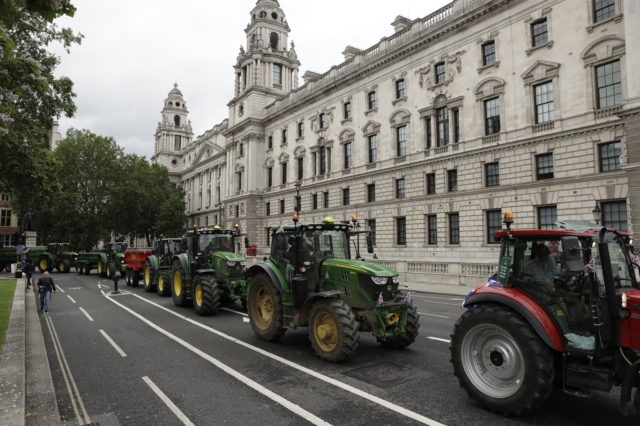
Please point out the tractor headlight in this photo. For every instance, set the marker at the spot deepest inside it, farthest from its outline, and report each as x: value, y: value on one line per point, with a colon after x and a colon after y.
x: 243, y: 263
x: 624, y: 300
x: 231, y: 263
x: 395, y: 279
x: 379, y: 280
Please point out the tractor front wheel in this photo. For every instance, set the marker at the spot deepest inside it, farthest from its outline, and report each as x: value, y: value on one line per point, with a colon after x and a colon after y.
x: 500, y: 360
x: 149, y: 277
x: 79, y: 268
x: 265, y: 309
x: 206, y: 295
x: 64, y: 266
x: 102, y: 269
x: 44, y: 264
x: 164, y: 283
x: 111, y: 269
x: 410, y: 331
x: 179, y: 285
x: 333, y: 330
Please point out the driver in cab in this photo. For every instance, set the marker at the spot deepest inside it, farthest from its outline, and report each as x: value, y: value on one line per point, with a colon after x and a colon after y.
x: 542, y: 267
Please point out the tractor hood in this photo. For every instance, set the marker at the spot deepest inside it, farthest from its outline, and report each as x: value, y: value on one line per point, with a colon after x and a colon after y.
x: 360, y: 267
x: 228, y: 256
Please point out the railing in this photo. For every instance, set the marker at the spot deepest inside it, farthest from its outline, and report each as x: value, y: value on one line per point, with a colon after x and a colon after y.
x: 543, y: 126
x: 428, y: 267
x: 438, y: 15
x: 608, y: 112
x: 371, y: 52
x: 491, y: 139
x: 342, y: 67
x: 479, y: 270
x: 398, y: 37
x: 388, y: 264
x: 442, y: 149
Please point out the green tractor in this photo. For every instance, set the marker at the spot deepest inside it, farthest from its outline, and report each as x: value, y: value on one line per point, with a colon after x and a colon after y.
x: 112, y: 260
x: 208, y: 272
x: 310, y: 281
x: 57, y: 255
x: 157, y: 267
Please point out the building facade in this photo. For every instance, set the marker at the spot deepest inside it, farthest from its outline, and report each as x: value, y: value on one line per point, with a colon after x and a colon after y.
x: 432, y: 134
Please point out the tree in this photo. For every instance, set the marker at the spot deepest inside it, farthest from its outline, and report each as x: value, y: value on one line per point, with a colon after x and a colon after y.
x: 171, y: 217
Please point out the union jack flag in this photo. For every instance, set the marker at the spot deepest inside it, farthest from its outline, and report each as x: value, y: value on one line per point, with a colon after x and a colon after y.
x: 407, y: 297
x: 636, y: 261
x: 280, y: 230
x: 380, y: 299
x: 493, y: 283
x: 591, y: 266
x: 468, y: 296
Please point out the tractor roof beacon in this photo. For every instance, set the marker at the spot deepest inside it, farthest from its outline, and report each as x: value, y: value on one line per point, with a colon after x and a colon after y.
x: 310, y: 280
x: 563, y: 303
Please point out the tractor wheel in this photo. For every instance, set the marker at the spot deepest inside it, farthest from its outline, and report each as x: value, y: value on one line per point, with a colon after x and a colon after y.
x: 333, y: 330
x: 127, y: 277
x: 102, y: 269
x: 265, y: 309
x: 179, y: 285
x: 111, y: 269
x: 206, y: 295
x: 135, y: 278
x: 636, y: 407
x: 44, y: 264
x: 79, y: 268
x: 410, y: 331
x: 149, y: 277
x: 164, y: 283
x: 64, y: 266
x: 87, y: 269
x: 500, y: 360
x: 7, y: 267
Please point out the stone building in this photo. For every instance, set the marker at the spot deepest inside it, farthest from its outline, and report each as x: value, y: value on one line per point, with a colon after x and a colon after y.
x: 429, y: 136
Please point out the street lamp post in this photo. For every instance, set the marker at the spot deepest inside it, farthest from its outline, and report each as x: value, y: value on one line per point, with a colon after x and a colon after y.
x: 297, y: 206
x: 596, y: 213
x: 24, y: 148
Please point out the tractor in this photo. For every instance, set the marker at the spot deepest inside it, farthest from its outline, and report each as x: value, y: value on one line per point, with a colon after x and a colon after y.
x: 310, y: 280
x: 563, y: 309
x: 57, y: 255
x: 157, y: 267
x: 107, y: 261
x: 208, y: 271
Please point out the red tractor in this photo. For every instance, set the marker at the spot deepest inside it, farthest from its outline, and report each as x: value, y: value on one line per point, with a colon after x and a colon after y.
x: 563, y: 309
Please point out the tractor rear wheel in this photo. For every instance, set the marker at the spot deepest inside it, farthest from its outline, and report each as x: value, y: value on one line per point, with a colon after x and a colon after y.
x: 500, y: 360
x: 265, y: 309
x: 127, y: 277
x: 206, y: 295
x: 179, y: 285
x: 102, y: 269
x: 164, y: 283
x: 410, y: 331
x: 333, y: 330
x: 135, y: 278
x: 64, y: 266
x: 87, y: 269
x: 44, y: 264
x: 149, y: 277
x: 79, y: 268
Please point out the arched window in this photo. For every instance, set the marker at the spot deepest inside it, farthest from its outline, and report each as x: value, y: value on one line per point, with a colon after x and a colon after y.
x: 176, y: 120
x: 274, y: 41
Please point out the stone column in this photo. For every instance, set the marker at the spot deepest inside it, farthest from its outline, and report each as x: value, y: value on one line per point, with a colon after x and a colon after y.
x: 434, y: 130
x: 452, y: 126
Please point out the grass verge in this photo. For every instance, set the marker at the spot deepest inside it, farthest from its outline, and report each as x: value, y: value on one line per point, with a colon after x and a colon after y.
x: 7, y: 289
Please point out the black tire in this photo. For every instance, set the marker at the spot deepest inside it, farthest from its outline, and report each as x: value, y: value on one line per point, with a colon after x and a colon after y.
x: 64, y: 266
x: 7, y: 267
x: 135, y: 278
x: 340, y: 341
x: 528, y: 366
x: 79, y: 268
x: 127, y: 277
x: 636, y: 407
x: 149, y: 277
x: 44, y: 264
x: 102, y: 269
x: 87, y: 269
x: 208, y: 301
x: 111, y: 269
x: 179, y: 278
x: 410, y: 334
x: 265, y: 309
x: 164, y: 283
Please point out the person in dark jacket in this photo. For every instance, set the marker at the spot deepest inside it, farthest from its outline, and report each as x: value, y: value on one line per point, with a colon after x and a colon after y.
x: 46, y: 284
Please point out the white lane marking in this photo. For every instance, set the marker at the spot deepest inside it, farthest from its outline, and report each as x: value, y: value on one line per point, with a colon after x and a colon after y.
x: 60, y: 288
x: 75, y: 288
x: 235, y: 312
x: 247, y: 381
x: 439, y: 339
x: 439, y: 298
x: 167, y: 401
x: 337, y: 383
x: 245, y: 319
x: 71, y: 298
x: 432, y: 315
x: 440, y: 303
x: 102, y: 291
x: 87, y: 419
x: 103, y: 286
x: 88, y: 316
x: 110, y: 340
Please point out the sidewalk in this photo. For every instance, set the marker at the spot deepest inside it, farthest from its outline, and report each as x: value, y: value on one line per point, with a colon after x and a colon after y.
x: 458, y: 290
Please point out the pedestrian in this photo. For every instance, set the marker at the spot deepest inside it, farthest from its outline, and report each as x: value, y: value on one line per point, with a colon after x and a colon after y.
x: 28, y: 270
x: 374, y: 256
x: 45, y: 287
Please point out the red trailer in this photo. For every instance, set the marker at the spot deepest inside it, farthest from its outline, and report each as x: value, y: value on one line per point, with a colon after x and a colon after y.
x: 134, y: 259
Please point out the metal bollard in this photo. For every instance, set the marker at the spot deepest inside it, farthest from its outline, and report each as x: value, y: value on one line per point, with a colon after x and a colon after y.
x: 116, y: 278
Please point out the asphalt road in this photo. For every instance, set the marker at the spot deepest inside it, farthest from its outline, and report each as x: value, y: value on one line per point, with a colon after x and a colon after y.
x: 180, y: 368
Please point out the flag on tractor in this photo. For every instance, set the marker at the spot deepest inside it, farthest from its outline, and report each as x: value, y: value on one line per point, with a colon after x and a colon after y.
x: 591, y: 266
x: 407, y: 297
x: 280, y: 230
x: 380, y: 299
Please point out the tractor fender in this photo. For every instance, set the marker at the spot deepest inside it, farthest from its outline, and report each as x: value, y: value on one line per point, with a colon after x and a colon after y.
x: 205, y: 272
x: 267, y: 269
x: 154, y: 261
x: 103, y: 258
x: 303, y: 318
x: 535, y: 315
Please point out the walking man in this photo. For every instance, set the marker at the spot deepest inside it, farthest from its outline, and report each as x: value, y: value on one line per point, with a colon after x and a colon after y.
x: 45, y: 287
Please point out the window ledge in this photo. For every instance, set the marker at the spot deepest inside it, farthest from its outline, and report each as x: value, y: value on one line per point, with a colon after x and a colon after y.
x: 300, y: 139
x: 396, y: 101
x: 241, y: 156
x: 346, y: 172
x: 490, y: 245
x: 283, y: 144
x: 617, y: 18
x: 452, y: 246
x: 399, y: 246
x: 372, y: 165
x: 269, y: 149
x: 548, y: 45
x: 347, y: 120
x: 400, y: 159
x: 371, y: 111
x: 486, y: 67
x: 608, y: 112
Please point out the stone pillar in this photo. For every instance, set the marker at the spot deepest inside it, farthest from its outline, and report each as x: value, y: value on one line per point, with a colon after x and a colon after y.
x: 31, y: 238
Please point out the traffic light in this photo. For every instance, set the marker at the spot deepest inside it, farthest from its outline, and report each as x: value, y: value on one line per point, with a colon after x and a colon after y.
x: 23, y: 238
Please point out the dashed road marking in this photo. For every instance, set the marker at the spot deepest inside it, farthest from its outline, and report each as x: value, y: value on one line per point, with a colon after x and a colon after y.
x: 167, y: 401
x: 71, y: 298
x: 432, y: 315
x: 439, y: 339
x: 110, y: 340
x: 235, y: 312
x: 88, y: 316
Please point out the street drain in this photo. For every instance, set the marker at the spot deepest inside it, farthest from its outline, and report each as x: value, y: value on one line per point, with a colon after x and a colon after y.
x: 386, y: 374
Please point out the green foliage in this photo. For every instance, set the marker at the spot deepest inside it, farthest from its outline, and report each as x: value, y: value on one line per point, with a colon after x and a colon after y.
x: 7, y: 290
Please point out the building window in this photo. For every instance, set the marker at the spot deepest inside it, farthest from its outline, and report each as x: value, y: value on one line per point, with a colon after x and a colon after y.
x: 237, y: 213
x: 454, y: 228
x: 400, y: 190
x: 284, y: 173
x: 323, y: 160
x: 401, y: 231
x: 492, y: 116
x: 219, y: 195
x: 277, y: 75
x: 345, y: 196
x: 298, y: 204
x: 452, y: 178
x: 431, y: 183
x: 428, y: 132
x: 614, y: 215
x: 371, y: 193
x: 494, y: 224
x: 432, y: 230
x: 442, y: 121
x: 489, y: 53
x: 400, y: 89
x: 604, y: 9
x: 284, y: 137
x: 547, y: 217
x: 347, y: 110
x: 268, y: 237
x: 373, y: 148
x: 4, y: 197
x: 300, y: 168
x: 456, y: 125
x: 177, y: 143
x: 492, y: 171
x: 323, y: 121
x: 325, y: 200
x: 269, y: 177
x: 540, y: 33
x: 241, y: 149
x: 5, y: 218
x: 239, y: 175
x: 610, y: 156
x: 401, y: 134
x: 300, y: 130
x: 371, y: 227
x: 609, y: 85
x: 268, y: 209
x: 270, y: 146
x: 441, y: 75
x: 281, y: 206
x: 544, y: 166
x: 314, y: 201
x: 347, y: 155
x: 372, y: 100
x: 544, y: 103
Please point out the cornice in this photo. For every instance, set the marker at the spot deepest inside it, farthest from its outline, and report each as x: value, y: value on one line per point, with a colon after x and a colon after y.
x: 242, y: 125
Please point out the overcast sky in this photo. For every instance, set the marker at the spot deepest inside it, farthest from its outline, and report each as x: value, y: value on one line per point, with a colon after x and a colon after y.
x: 134, y: 50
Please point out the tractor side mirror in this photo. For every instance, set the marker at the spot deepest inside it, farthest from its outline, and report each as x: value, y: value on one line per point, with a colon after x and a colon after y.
x: 246, y: 242
x: 369, y: 243
x: 572, y: 251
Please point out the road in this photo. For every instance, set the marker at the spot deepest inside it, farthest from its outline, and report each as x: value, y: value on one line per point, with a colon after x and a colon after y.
x: 136, y: 359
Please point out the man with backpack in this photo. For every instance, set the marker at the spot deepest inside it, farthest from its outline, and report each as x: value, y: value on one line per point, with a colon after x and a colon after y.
x: 45, y: 287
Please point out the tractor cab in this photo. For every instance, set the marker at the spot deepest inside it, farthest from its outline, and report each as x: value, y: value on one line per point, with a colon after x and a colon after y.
x: 168, y: 247
x: 215, y: 248
x: 115, y: 248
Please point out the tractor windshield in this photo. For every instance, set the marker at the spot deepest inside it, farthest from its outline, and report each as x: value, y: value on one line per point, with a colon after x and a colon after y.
x: 621, y: 265
x: 215, y: 242
x: 325, y: 244
x: 171, y: 247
